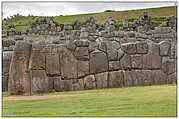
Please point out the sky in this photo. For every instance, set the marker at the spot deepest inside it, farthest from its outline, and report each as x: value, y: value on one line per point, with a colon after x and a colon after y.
x: 70, y: 8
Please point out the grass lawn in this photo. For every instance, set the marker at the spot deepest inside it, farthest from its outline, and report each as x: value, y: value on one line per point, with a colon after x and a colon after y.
x: 144, y: 101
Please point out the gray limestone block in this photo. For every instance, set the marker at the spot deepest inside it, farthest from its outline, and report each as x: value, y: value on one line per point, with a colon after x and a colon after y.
x: 6, y: 58
x: 112, y: 55
x: 172, y: 79
x: 116, y: 79
x: 89, y: 82
x: 82, y: 43
x: 125, y: 62
x: 19, y: 62
x: 142, y: 47
x: 168, y: 65
x: 77, y: 84
x: 68, y: 63
x: 159, y: 77
x: 151, y: 61
x: 82, y: 53
x: 37, y: 59
x: 83, y: 68
x: 114, y: 65
x: 98, y: 62
x: 164, y: 48
x: 136, y: 61
x: 58, y: 84
x: 53, y: 64
x: 129, y: 48
x: 101, y: 80
x: 39, y: 82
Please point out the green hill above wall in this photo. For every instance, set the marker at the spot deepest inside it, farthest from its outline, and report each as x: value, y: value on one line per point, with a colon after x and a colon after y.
x: 157, y: 14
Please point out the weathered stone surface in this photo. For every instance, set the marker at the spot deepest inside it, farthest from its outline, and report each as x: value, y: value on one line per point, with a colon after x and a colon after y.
x: 109, y: 45
x: 142, y: 47
x: 136, y: 61
x: 159, y: 77
x: 39, y: 82
x: 164, y: 48
x: 129, y: 48
x: 19, y: 62
x: 168, y: 65
x: 51, y: 83
x: 37, y: 59
x: 153, y: 48
x: 58, y: 84
x: 89, y: 82
x: 172, y: 79
x: 98, y: 62
x: 7, y: 56
x: 101, y: 80
x: 67, y: 85
x: 120, y: 54
x: 81, y: 53
x: 116, y: 79
x: 114, y: 65
x: 68, y: 63
x: 151, y: 61
x: 112, y: 55
x: 53, y: 64
x: 77, y: 84
x: 126, y: 62
x: 83, y: 68
x: 81, y: 43
x: 5, y: 83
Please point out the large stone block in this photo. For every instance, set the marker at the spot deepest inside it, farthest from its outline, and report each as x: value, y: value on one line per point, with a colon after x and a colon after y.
x: 83, y: 68
x: 114, y: 65
x: 136, y: 61
x: 58, y: 84
x: 142, y: 47
x: 153, y: 48
x: 5, y: 83
x: 151, y: 61
x: 98, y: 62
x: 159, y: 77
x: 37, y: 59
x: 68, y: 63
x: 89, y: 82
x: 39, y: 82
x: 81, y: 43
x: 77, y: 84
x: 82, y: 53
x: 116, y: 79
x: 125, y: 62
x: 7, y: 56
x: 101, y: 80
x: 19, y: 63
x: 172, y: 79
x: 53, y: 64
x: 112, y: 55
x: 109, y: 45
x: 129, y: 48
x: 168, y: 65
x: 164, y: 48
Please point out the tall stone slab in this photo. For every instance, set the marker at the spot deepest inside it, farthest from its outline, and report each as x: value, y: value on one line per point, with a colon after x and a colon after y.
x: 68, y: 63
x: 19, y: 63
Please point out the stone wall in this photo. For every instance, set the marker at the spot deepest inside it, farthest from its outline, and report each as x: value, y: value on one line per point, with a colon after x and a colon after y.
x: 94, y: 58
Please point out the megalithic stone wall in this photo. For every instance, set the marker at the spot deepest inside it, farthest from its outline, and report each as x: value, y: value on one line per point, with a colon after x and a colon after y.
x: 124, y: 59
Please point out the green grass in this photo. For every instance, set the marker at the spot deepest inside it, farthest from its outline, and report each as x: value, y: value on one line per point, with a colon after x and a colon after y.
x: 157, y: 15
x: 150, y: 101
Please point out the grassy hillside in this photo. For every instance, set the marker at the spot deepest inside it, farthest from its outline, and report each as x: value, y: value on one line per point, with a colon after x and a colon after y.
x: 157, y: 14
x: 150, y: 101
